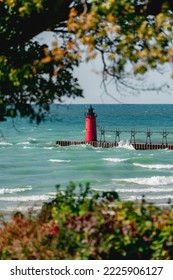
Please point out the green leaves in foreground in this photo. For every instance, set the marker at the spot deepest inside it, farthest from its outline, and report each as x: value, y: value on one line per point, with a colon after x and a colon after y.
x: 82, y: 224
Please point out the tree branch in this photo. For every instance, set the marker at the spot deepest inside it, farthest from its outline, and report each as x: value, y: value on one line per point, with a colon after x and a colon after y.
x: 55, y: 12
x: 28, y: 27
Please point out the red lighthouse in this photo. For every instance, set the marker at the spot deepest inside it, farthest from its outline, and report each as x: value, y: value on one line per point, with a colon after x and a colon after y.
x: 91, y: 131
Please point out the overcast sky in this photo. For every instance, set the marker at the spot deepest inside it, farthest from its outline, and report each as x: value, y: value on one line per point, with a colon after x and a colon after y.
x: 90, y: 79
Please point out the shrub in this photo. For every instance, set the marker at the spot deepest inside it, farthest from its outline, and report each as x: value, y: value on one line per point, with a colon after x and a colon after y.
x: 82, y: 224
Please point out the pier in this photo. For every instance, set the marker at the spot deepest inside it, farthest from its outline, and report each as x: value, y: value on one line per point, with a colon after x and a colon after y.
x: 97, y: 144
x: 91, y: 131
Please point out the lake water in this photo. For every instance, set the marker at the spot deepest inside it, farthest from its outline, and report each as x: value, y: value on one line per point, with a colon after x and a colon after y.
x: 31, y: 165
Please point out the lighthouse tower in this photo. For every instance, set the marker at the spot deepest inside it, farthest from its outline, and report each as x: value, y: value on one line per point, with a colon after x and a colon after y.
x: 91, y: 131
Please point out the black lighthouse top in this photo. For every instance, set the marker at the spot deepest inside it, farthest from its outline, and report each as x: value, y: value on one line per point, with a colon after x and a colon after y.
x: 90, y: 112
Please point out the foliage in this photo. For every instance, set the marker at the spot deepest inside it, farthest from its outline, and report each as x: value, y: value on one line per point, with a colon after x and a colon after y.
x: 81, y: 224
x: 123, y: 32
x: 26, y: 80
x: 28, y: 74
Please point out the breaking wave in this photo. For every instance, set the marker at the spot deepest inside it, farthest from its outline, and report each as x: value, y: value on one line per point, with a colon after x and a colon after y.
x: 6, y: 143
x: 59, y: 160
x: 152, y: 181
x: 23, y: 143
x: 22, y: 208
x: 27, y: 198
x: 151, y: 198
x: 116, y: 159
x: 125, y: 144
x: 16, y: 190
x: 154, y: 166
x: 146, y: 190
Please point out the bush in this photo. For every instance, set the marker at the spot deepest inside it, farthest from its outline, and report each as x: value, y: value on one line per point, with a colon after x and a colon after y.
x: 81, y: 224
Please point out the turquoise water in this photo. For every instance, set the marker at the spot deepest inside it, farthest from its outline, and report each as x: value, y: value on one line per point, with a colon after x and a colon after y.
x: 31, y: 165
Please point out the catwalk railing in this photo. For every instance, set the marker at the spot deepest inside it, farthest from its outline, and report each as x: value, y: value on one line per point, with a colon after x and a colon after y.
x: 148, y: 133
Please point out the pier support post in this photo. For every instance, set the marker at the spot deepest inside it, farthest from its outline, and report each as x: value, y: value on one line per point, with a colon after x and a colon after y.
x: 132, y: 137
x: 148, y: 138
x: 164, y: 137
x: 102, y: 131
x: 117, y: 136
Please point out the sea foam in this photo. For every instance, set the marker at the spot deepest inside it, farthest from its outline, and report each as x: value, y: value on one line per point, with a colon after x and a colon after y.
x: 23, y: 143
x: 151, y: 198
x: 43, y: 197
x: 16, y: 190
x: 146, y: 190
x: 125, y: 144
x: 152, y: 181
x: 116, y: 159
x: 33, y: 208
x: 59, y: 160
x: 154, y: 166
x: 3, y: 143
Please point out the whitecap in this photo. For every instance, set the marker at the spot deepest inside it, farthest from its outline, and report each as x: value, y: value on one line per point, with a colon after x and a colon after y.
x: 146, y: 190
x: 23, y: 143
x: 132, y: 198
x: 59, y: 160
x: 52, y: 193
x: 153, y: 181
x: 22, y: 208
x: 149, y: 198
x: 16, y: 190
x: 125, y: 145
x: 27, y: 198
x: 115, y: 159
x: 154, y: 166
x: 160, y: 197
x: 6, y: 143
